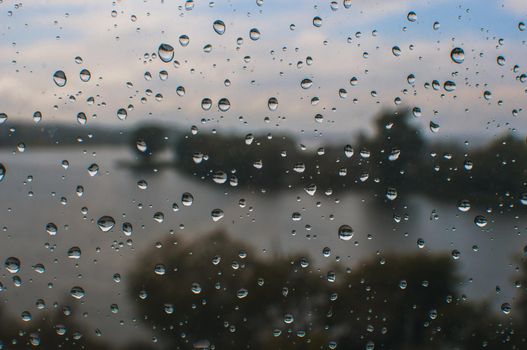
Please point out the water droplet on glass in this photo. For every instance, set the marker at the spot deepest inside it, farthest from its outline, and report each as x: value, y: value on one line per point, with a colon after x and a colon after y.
x: 12, y: 264
x: 457, y: 55
x: 77, y: 292
x: 506, y: 308
x: 306, y: 83
x: 85, y: 75
x: 206, y: 104
x: 219, y: 27
x: 59, y: 77
x: 74, y: 253
x: 254, y: 34
x: 165, y: 52
x: 412, y: 16
x: 105, y: 223
x: 93, y: 169
x: 272, y: 103
x: 184, y: 40
x: 480, y: 221
x: 345, y: 232
x: 217, y: 214
x: 122, y: 114
x: 224, y: 105
x: 187, y: 199
x: 317, y: 21
x: 51, y: 229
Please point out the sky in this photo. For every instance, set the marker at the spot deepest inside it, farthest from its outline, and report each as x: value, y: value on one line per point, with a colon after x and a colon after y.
x: 118, y: 43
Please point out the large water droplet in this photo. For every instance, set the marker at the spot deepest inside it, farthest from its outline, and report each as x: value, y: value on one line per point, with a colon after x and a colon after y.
x: 272, y: 103
x: 166, y: 52
x: 59, y: 77
x: 224, y: 105
x: 217, y: 214
x: 85, y: 75
x: 12, y: 264
x: 74, y: 253
x: 345, y: 232
x: 254, y: 34
x: 219, y: 27
x: 206, y: 104
x: 480, y: 221
x: 457, y: 55
x: 77, y: 292
x: 105, y: 223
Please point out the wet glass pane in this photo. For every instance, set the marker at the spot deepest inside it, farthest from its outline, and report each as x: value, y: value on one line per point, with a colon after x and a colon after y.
x: 265, y: 174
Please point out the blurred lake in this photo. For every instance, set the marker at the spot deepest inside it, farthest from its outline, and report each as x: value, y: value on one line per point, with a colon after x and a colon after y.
x: 265, y: 223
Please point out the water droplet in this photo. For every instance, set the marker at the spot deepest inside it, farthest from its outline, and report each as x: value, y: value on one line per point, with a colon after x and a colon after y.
x: 160, y: 269
x: 480, y: 221
x: 396, y: 50
x: 12, y: 264
x: 59, y: 77
x: 105, y: 223
x: 217, y: 214
x: 77, y: 292
x: 81, y: 118
x: 187, y: 199
x: 37, y: 117
x: 122, y: 114
x: 51, y: 229
x: 449, y: 86
x: 74, y: 253
x: 254, y: 34
x: 412, y: 16
x: 184, y: 40
x: 464, y: 205
x: 345, y: 232
x: 457, y: 55
x: 317, y: 22
x: 165, y: 52
x: 506, y: 308
x: 206, y: 104
x: 85, y: 75
x: 195, y: 288
x: 219, y: 27
x: 272, y: 103
x: 3, y: 118
x: 500, y: 60
x: 224, y: 105
x: 311, y: 189
x: 159, y: 217
x: 242, y: 293
x: 93, y: 169
x: 26, y: 316
x: 306, y: 83
x: 436, y: 25
x: 391, y: 193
